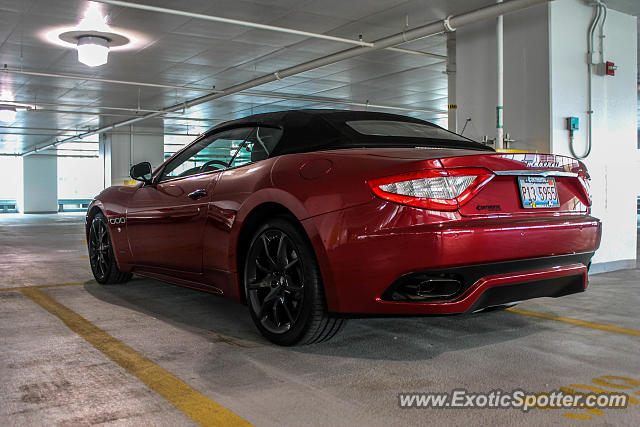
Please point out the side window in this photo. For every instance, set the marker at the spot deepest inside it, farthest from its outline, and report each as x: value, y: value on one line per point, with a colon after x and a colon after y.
x: 258, y: 146
x: 211, y: 153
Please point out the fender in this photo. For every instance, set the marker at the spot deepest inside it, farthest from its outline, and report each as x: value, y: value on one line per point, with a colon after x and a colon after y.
x: 291, y: 203
x: 112, y: 203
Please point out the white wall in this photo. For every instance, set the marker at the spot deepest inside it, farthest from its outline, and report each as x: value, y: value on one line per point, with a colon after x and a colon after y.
x: 39, y: 184
x: 526, y: 79
x: 546, y: 82
x: 119, y: 152
x: 613, y: 162
x: 9, y: 170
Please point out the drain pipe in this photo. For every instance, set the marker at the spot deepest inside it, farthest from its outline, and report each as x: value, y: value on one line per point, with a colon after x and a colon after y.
x: 600, y: 11
x: 500, y: 75
x: 437, y: 27
x: 451, y: 82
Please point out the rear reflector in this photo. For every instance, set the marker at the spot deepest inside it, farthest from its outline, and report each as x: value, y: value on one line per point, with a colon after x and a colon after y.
x: 436, y: 189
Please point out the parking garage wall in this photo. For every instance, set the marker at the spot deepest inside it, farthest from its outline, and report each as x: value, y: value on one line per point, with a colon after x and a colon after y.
x: 545, y: 82
x: 614, y: 162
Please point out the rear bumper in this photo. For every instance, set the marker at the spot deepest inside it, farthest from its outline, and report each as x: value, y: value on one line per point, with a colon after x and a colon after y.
x: 501, y: 289
x: 364, y: 250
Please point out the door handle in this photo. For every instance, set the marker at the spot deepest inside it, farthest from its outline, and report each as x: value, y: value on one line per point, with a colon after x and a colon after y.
x: 198, y: 194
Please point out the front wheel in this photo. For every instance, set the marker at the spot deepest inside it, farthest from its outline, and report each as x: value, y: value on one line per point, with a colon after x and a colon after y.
x: 283, y: 286
x: 103, y: 262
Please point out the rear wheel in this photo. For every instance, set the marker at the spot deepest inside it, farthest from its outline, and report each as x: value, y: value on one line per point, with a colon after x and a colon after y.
x: 103, y: 262
x: 283, y: 286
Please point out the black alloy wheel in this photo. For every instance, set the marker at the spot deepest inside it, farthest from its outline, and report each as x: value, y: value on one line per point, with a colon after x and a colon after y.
x: 103, y: 263
x: 283, y: 286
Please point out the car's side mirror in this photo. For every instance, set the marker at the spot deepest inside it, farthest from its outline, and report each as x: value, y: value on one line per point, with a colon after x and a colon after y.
x: 141, y: 172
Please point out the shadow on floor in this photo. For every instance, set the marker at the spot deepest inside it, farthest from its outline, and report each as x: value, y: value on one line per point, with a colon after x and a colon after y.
x: 221, y: 320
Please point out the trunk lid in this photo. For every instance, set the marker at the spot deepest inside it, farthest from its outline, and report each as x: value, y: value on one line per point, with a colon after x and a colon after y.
x: 512, y: 184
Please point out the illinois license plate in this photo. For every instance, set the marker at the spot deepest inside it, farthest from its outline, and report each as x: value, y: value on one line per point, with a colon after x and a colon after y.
x: 538, y: 192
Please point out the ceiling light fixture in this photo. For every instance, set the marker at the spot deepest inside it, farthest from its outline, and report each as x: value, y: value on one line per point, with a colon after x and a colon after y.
x: 93, y: 38
x: 93, y: 51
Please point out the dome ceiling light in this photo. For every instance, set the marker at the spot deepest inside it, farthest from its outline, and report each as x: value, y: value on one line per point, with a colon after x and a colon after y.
x: 93, y: 51
x: 93, y: 38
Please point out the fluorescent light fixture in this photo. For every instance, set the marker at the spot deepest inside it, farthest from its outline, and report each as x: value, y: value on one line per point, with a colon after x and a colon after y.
x: 8, y: 114
x: 93, y: 51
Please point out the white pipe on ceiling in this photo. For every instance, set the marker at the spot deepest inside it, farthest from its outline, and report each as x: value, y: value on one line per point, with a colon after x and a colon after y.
x: 279, y: 29
x: 99, y: 80
x: 78, y: 130
x: 53, y: 155
x: 242, y: 23
x: 261, y: 94
x: 188, y: 119
x: 72, y: 133
x: 102, y: 107
x: 433, y: 28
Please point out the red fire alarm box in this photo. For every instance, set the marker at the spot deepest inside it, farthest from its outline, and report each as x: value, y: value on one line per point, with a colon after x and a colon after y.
x: 611, y: 68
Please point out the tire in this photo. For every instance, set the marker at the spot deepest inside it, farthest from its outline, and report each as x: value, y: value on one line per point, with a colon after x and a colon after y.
x: 103, y: 263
x: 283, y: 286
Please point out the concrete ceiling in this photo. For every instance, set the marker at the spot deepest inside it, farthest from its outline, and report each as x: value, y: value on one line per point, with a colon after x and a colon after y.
x: 187, y: 52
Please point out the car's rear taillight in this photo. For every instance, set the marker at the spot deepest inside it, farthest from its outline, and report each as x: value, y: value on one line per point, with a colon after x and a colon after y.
x: 585, y: 182
x: 437, y: 189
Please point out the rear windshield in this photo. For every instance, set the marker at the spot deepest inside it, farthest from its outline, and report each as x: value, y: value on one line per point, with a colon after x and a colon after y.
x: 402, y: 129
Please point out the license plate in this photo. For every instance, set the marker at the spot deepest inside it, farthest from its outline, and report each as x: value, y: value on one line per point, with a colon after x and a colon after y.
x: 538, y: 192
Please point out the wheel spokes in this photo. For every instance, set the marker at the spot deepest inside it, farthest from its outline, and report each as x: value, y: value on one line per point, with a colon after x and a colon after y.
x: 262, y: 267
x: 259, y: 284
x: 99, y: 248
x: 266, y: 303
x: 286, y: 310
x: 274, y: 281
x: 291, y: 264
x: 272, y: 262
x: 276, y: 319
x: 281, y: 251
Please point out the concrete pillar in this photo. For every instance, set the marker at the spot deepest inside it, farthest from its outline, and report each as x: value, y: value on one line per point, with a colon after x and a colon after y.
x: 129, y: 145
x: 545, y: 81
x: 38, y: 192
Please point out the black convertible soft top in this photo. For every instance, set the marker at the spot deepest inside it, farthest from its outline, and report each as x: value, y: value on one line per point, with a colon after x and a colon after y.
x: 315, y: 130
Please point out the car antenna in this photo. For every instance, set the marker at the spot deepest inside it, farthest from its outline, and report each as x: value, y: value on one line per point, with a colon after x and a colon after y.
x: 466, y: 122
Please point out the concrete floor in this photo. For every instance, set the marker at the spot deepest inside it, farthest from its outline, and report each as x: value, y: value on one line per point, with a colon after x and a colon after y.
x: 52, y: 376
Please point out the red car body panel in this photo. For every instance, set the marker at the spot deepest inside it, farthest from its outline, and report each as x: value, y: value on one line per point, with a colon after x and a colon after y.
x: 362, y: 243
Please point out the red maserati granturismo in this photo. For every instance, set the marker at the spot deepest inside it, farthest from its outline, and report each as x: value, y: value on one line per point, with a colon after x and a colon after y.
x: 314, y: 216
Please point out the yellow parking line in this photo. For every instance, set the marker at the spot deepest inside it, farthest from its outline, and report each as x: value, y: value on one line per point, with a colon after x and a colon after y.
x: 85, y: 257
x: 577, y: 322
x: 190, y: 401
x: 57, y: 285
